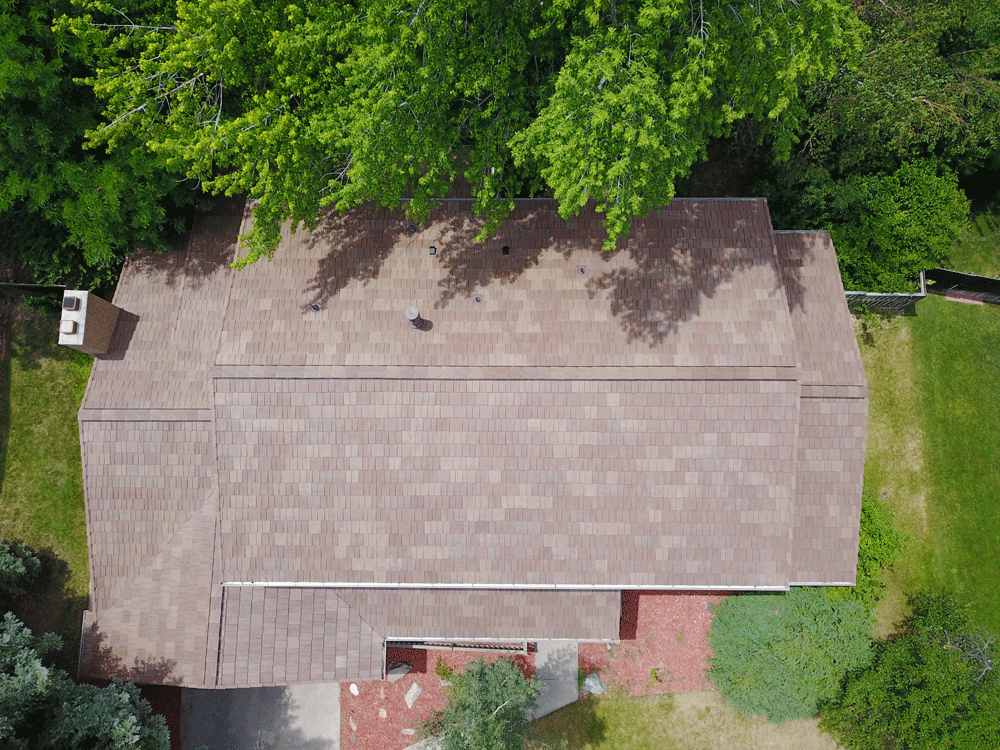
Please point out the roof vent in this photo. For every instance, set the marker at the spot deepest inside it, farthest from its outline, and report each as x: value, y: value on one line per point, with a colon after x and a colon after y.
x: 316, y: 306
x: 434, y: 250
x: 581, y: 270
x: 506, y: 250
x: 413, y: 315
x: 411, y: 228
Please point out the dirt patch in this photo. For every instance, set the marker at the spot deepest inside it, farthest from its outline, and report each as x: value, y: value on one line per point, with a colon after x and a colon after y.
x: 377, y: 717
x: 664, y: 643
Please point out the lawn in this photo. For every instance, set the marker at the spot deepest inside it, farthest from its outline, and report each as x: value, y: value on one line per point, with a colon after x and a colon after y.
x: 688, y: 721
x: 934, y: 437
x: 41, y: 482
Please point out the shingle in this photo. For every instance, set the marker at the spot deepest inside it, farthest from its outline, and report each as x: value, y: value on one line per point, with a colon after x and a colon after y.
x: 664, y: 415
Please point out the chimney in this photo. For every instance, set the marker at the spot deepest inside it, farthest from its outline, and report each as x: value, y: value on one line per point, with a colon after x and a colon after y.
x: 88, y: 322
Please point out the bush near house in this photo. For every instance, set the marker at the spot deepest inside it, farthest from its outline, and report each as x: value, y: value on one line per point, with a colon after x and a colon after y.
x: 19, y: 567
x: 879, y: 547
x: 784, y: 655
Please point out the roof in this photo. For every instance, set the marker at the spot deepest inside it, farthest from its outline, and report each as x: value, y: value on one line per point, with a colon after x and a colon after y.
x: 281, y: 473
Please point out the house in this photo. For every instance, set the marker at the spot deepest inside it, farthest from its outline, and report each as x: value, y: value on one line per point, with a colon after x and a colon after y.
x: 282, y: 472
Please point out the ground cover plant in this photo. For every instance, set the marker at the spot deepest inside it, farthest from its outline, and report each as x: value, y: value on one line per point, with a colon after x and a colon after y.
x: 41, y: 478
x: 783, y: 655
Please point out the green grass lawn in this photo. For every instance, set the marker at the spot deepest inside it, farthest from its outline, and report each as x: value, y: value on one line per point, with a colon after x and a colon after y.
x: 957, y: 349
x: 682, y: 721
x: 934, y: 437
x: 41, y: 482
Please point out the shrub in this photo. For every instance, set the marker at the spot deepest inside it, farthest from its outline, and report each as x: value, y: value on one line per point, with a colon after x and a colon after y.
x: 19, y: 567
x: 879, y: 547
x: 783, y: 655
x: 41, y: 708
x: 487, y: 708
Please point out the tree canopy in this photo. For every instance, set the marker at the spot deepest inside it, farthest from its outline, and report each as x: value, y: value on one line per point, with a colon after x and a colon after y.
x: 67, y: 209
x: 930, y: 687
x: 315, y: 104
x: 487, y: 708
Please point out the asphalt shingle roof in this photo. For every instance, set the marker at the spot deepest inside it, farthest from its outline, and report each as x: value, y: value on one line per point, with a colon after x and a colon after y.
x: 685, y: 412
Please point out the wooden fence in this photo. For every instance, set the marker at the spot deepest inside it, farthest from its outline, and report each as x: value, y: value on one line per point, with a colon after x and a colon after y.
x: 964, y: 285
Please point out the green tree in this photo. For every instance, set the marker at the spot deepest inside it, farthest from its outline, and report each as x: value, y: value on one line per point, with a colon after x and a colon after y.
x: 67, y: 211
x: 305, y: 106
x: 487, y: 708
x: 930, y: 687
x: 928, y: 86
x: 42, y: 709
x: 886, y: 227
x: 19, y: 567
x: 784, y: 655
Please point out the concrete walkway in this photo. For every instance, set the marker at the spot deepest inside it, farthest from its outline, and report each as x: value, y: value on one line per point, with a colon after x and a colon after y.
x: 556, y: 667
x: 297, y: 717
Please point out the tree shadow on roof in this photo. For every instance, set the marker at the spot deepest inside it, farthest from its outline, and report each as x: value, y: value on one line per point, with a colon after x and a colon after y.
x: 99, y: 661
x: 166, y: 266
x: 359, y: 243
x: 672, y: 271
x: 473, y: 265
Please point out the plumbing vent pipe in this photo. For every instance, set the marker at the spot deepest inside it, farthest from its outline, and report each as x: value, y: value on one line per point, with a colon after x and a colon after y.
x: 413, y: 316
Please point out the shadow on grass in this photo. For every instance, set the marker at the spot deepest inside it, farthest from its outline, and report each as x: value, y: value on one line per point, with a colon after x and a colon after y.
x: 47, y: 607
x: 580, y: 724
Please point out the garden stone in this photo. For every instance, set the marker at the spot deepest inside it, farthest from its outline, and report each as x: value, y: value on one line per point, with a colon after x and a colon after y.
x: 413, y: 693
x: 594, y: 684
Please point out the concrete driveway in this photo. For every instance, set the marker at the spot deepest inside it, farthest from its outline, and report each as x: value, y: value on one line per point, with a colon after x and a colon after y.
x: 298, y: 717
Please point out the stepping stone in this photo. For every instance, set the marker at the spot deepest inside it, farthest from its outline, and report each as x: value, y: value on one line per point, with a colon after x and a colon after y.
x: 397, y: 670
x: 413, y: 693
x: 408, y: 732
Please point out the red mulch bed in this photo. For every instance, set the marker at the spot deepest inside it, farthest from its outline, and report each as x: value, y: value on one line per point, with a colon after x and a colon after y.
x: 662, y: 630
x: 664, y: 643
x: 376, y: 717
x: 166, y: 701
